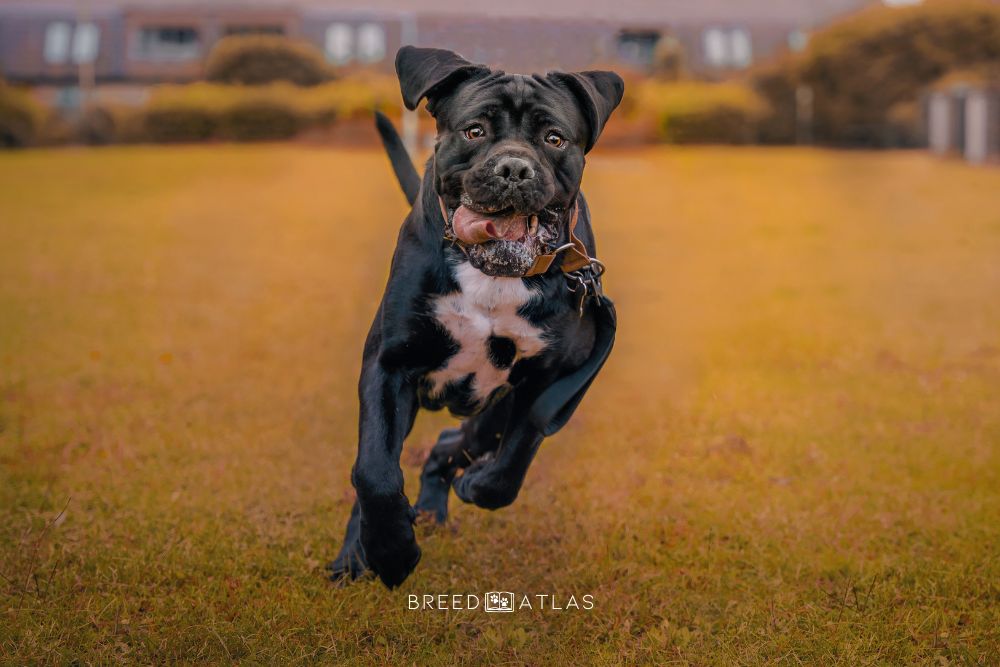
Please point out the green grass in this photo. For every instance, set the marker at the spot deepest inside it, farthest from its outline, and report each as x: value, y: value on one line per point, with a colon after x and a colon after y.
x: 791, y: 457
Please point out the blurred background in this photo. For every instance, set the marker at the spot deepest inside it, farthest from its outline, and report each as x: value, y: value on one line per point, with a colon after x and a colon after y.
x: 791, y: 457
x: 875, y: 73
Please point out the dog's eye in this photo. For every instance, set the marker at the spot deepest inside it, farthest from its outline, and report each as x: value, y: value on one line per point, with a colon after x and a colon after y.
x: 555, y: 139
x: 475, y: 132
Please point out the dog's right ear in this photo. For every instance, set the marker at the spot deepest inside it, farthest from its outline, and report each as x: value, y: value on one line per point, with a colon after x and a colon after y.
x: 430, y: 73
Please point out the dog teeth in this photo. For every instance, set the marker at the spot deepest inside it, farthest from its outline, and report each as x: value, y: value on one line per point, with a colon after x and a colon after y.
x: 533, y: 225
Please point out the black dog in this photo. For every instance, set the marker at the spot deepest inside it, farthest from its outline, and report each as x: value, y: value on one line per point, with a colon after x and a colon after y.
x: 493, y: 308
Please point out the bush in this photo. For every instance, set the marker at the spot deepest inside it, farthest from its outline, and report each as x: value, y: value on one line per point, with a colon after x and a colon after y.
x: 176, y: 123
x: 259, y: 120
x: 109, y: 124
x: 96, y: 127
x: 903, y: 125
x: 777, y: 85
x: 20, y: 118
x: 201, y: 111
x: 696, y: 112
x: 349, y: 97
x: 668, y: 59
x: 861, y: 68
x: 253, y: 60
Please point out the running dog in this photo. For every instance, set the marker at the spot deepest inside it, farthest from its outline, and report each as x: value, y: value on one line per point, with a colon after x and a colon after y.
x: 493, y: 308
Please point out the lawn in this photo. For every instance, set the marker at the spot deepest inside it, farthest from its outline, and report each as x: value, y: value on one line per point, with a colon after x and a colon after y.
x: 792, y: 456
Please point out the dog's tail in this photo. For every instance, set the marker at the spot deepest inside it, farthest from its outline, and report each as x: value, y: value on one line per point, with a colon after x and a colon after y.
x: 403, y: 167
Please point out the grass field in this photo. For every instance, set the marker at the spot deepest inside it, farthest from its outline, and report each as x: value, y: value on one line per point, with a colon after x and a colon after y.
x: 792, y: 455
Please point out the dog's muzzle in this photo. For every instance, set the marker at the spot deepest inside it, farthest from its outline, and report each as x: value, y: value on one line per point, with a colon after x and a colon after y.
x: 513, y: 244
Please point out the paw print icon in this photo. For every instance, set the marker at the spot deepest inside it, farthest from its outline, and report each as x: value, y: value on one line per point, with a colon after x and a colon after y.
x: 499, y: 601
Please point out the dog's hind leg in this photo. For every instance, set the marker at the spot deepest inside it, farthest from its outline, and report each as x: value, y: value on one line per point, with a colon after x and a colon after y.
x: 439, y: 470
x: 457, y: 448
x: 493, y: 482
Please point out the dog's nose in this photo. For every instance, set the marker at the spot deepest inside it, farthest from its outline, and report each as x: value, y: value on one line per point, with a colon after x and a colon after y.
x: 514, y: 169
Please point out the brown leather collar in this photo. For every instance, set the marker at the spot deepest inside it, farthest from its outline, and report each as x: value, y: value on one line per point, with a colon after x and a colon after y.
x: 576, y: 253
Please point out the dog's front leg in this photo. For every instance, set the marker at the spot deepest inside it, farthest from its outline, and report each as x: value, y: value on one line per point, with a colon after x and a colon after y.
x: 388, y: 408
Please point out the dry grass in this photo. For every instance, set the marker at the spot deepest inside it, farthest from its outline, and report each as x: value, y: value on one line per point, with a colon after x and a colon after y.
x: 791, y: 457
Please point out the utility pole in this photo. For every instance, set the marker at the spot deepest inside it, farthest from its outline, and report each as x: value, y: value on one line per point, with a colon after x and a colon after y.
x: 85, y: 66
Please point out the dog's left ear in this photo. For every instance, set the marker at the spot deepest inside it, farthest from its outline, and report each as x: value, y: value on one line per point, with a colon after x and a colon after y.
x: 431, y: 73
x: 598, y: 93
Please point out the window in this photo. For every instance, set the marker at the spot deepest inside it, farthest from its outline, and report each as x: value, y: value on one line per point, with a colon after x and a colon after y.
x: 339, y: 43
x: 371, y: 43
x: 728, y: 48
x: 64, y: 42
x: 57, y: 37
x: 740, y: 49
x: 638, y: 47
x: 169, y: 43
x: 85, y: 41
x: 716, y: 52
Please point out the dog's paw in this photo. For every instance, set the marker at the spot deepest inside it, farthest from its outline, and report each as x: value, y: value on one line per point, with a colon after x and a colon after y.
x: 349, y: 564
x: 432, y: 515
x: 432, y: 504
x: 481, y: 487
x: 390, y: 547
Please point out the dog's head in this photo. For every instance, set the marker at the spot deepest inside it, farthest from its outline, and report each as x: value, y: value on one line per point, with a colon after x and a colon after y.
x: 510, y: 150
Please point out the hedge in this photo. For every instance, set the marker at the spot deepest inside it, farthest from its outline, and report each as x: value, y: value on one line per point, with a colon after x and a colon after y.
x: 254, y: 60
x: 699, y: 112
x: 21, y: 118
x: 202, y: 111
x: 260, y: 120
x: 110, y: 124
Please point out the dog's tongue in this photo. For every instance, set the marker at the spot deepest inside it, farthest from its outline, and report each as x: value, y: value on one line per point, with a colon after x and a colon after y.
x: 471, y: 227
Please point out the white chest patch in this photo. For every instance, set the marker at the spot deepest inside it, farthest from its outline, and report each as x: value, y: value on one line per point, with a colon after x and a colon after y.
x: 484, y: 307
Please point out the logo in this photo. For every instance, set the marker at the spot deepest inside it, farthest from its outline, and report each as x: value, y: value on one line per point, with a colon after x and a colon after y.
x: 503, y: 602
x: 499, y: 601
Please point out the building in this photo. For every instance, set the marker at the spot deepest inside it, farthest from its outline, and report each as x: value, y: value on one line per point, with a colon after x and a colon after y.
x: 44, y: 41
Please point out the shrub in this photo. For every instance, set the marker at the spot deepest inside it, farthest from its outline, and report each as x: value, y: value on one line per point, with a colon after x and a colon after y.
x: 108, y: 124
x: 174, y: 123
x: 903, y: 125
x: 861, y: 68
x: 668, y: 59
x: 20, y: 118
x: 777, y: 85
x: 349, y: 97
x: 253, y: 60
x: 697, y: 112
x: 259, y: 120
x: 96, y: 127
x: 202, y: 111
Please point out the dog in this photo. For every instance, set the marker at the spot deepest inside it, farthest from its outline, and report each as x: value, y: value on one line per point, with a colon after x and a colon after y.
x: 493, y: 307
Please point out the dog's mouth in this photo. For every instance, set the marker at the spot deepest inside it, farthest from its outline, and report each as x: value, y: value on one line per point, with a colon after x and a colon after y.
x: 474, y: 226
x: 502, y: 242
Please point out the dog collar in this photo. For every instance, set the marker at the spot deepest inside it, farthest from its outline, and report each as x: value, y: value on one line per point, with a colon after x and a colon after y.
x: 576, y: 256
